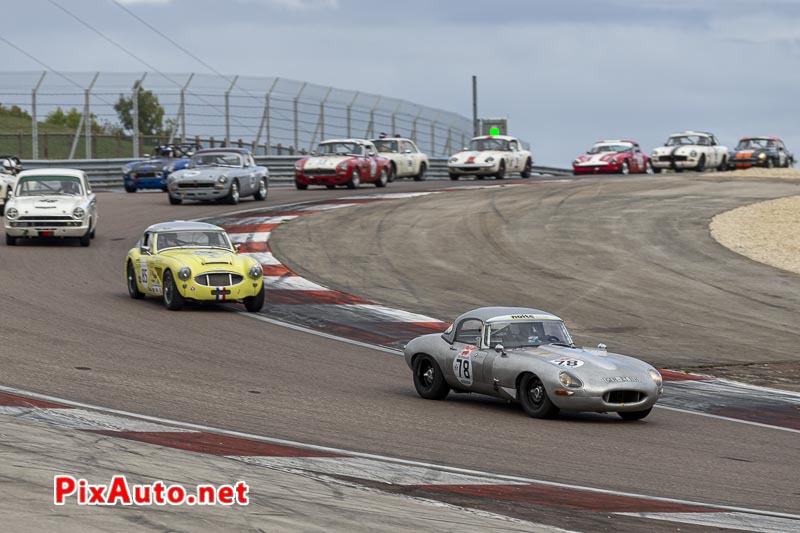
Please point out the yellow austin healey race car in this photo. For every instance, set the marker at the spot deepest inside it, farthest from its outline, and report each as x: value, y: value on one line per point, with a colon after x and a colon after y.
x: 181, y: 261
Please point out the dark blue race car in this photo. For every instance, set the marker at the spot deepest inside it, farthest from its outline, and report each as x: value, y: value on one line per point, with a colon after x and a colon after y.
x: 152, y: 172
x: 766, y: 152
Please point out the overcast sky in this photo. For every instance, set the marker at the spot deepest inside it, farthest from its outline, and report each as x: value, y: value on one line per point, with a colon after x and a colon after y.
x: 566, y: 72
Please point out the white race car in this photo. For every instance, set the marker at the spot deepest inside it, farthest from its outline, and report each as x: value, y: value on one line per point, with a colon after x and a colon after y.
x: 51, y: 202
x: 491, y: 155
x: 692, y: 150
x: 406, y: 159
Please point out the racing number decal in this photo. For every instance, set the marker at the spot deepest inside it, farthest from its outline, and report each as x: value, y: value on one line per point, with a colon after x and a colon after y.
x: 143, y: 272
x: 372, y: 166
x: 568, y: 362
x: 462, y: 365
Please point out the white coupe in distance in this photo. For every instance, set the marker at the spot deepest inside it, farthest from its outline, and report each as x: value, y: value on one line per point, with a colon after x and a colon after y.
x: 51, y: 202
x: 405, y: 158
x: 690, y: 150
x: 491, y: 155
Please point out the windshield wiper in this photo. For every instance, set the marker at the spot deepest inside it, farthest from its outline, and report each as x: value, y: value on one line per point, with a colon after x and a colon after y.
x: 564, y: 344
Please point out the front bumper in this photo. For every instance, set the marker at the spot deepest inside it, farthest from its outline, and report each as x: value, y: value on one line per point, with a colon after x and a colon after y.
x: 30, y: 229
x: 323, y: 179
x: 149, y: 180
x: 473, y: 169
x: 746, y: 163
x: 608, y: 168
x: 608, y: 401
x: 194, y: 291
x: 680, y: 161
x: 211, y: 191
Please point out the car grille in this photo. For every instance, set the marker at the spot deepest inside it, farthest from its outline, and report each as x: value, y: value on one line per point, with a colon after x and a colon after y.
x: 30, y: 221
x: 196, y: 185
x: 219, y: 279
x: 143, y: 175
x: 624, y: 396
x: 319, y: 172
x: 680, y: 158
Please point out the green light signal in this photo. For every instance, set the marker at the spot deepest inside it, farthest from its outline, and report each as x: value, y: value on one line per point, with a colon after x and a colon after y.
x: 494, y: 130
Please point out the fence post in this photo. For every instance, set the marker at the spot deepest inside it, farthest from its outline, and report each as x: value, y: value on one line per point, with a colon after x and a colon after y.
x: 448, y: 149
x: 135, y: 96
x: 296, y: 99
x: 265, y: 120
x: 414, y: 126
x: 46, y: 146
x: 19, y: 142
x: 349, y: 107
x: 370, y: 133
x: 34, y: 120
x: 182, y: 110
x: 228, y: 112
x: 394, y: 118
x: 87, y: 123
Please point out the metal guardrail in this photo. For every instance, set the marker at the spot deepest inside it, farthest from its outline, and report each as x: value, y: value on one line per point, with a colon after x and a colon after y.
x: 107, y: 173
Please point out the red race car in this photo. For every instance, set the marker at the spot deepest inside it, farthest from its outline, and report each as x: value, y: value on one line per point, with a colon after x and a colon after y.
x: 613, y: 157
x: 349, y: 162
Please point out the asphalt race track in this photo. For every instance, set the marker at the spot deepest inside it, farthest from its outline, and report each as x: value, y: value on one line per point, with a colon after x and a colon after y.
x: 628, y: 262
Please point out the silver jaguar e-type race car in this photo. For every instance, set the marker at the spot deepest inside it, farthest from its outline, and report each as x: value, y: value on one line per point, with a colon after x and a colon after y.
x: 527, y: 356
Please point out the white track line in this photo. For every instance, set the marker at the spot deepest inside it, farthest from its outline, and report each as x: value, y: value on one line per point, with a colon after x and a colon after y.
x: 727, y: 418
x: 442, y: 468
x: 740, y: 521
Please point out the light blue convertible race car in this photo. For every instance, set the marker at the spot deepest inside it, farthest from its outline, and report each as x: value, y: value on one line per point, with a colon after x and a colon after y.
x: 224, y: 174
x: 527, y: 356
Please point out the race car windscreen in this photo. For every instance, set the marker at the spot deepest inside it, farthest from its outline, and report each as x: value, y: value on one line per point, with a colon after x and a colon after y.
x: 600, y: 148
x: 518, y: 334
x: 488, y: 144
x: 49, y: 185
x: 340, y: 149
x: 193, y: 239
x: 754, y: 144
x: 387, y: 146
x: 687, y: 140
x: 218, y: 159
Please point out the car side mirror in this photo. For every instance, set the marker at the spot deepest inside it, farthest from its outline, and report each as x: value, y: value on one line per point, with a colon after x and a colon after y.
x: 602, y: 346
x: 499, y: 348
x: 144, y: 250
x: 464, y: 148
x: 370, y: 154
x: 237, y: 247
x: 407, y: 151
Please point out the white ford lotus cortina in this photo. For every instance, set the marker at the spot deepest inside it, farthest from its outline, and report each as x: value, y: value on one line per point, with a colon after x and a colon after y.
x: 491, y: 155
x: 690, y: 150
x: 51, y: 202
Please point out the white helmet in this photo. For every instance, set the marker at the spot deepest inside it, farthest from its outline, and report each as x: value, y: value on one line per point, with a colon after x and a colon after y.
x: 9, y: 166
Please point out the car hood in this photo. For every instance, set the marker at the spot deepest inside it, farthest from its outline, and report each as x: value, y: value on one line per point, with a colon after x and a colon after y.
x: 208, y: 259
x: 51, y: 205
x: 600, y: 364
x: 473, y: 156
x: 682, y: 149
x: 200, y: 174
x: 325, y: 162
x: 148, y: 165
x: 600, y: 158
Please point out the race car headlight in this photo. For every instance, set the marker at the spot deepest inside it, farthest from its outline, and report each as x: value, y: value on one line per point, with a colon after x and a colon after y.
x: 453, y: 160
x: 222, y: 179
x: 762, y: 155
x: 656, y: 377
x: 78, y: 212
x: 256, y: 271
x: 568, y: 380
x: 298, y: 165
x: 12, y: 213
x: 171, y: 178
x: 693, y: 154
x: 125, y: 170
x: 184, y: 273
x: 342, y: 166
x: 613, y: 160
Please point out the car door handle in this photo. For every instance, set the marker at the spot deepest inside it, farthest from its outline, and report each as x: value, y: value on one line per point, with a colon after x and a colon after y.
x: 453, y: 348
